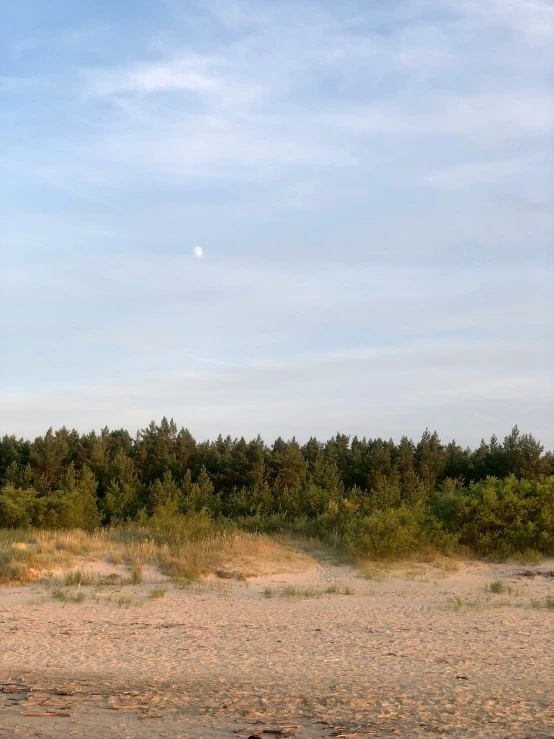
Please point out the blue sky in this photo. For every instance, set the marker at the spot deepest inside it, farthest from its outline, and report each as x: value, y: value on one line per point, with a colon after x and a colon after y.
x: 372, y: 186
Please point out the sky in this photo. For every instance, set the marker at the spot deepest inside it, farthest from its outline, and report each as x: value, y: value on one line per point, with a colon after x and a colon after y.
x: 285, y: 218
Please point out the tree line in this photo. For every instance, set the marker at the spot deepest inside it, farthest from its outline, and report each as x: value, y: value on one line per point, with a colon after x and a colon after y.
x: 363, y: 489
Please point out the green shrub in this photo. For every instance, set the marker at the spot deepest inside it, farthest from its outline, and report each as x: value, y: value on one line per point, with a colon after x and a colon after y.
x: 501, y: 518
x: 395, y: 533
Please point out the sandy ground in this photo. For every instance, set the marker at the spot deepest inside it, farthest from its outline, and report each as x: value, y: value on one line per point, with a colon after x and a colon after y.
x: 400, y: 656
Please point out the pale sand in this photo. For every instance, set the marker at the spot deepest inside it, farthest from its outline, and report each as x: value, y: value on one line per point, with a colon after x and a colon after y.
x: 393, y: 658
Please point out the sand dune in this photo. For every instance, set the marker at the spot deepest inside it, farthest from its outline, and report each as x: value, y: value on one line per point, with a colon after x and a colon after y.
x: 414, y: 651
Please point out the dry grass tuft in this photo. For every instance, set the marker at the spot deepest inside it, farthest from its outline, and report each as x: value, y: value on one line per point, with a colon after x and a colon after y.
x: 373, y: 573
x: 455, y: 603
x: 27, y: 555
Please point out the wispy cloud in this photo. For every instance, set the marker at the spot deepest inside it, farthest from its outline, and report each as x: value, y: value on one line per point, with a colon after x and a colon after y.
x: 187, y: 74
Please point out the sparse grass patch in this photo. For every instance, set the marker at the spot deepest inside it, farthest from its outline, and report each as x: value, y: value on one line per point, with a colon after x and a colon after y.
x: 372, y: 573
x: 291, y: 591
x: 530, y: 557
x: 59, y: 594
x: 311, y: 593
x: 268, y: 592
x: 337, y: 590
x: 115, y: 558
x: 455, y: 603
x: 499, y: 587
x: 111, y: 579
x: 79, y: 578
x: 158, y: 592
x: 442, y: 567
x: 294, y: 593
x: 136, y: 576
x: 449, y: 565
x: 550, y: 603
x: 124, y: 600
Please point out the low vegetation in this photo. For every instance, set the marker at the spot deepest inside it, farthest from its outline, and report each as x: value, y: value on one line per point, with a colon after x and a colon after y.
x: 179, y: 553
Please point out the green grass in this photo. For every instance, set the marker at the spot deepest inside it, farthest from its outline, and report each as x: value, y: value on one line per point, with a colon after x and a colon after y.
x: 65, y: 596
x: 158, y: 592
x: 291, y: 591
x: 136, y: 577
x: 79, y: 578
x: 294, y: 593
x: 268, y: 592
x: 498, y: 587
x: 550, y: 604
x: 311, y: 593
x: 112, y: 579
x: 124, y: 600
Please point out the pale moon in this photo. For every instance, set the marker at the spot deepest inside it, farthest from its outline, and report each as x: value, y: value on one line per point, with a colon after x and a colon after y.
x: 198, y: 251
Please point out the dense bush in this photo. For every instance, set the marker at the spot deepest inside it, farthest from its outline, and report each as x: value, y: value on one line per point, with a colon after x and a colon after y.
x: 396, y: 532
x: 382, y: 499
x: 501, y: 517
